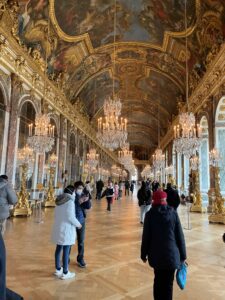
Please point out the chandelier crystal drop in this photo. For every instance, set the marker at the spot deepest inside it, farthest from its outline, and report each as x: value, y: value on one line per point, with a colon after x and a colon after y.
x: 187, y: 136
x: 158, y: 160
x: 42, y: 139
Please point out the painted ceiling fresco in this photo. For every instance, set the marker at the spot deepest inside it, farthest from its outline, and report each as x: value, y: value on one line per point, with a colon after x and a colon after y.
x: 149, y: 70
x: 137, y: 20
x: 92, y: 94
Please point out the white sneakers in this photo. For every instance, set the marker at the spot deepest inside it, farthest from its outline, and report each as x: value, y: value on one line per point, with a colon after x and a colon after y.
x: 69, y: 275
x: 61, y: 275
x: 58, y: 273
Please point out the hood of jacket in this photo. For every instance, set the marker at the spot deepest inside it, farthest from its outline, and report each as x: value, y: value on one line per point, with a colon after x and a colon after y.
x: 163, y: 211
x: 3, y: 183
x: 62, y: 199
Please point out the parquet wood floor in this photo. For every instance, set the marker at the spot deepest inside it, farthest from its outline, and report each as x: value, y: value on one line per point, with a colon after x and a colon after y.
x: 114, y: 270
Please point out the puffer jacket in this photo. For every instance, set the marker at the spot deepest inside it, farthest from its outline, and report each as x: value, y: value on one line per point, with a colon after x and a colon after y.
x: 65, y: 223
x: 7, y: 197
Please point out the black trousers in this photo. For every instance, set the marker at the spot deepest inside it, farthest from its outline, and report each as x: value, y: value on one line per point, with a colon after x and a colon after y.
x: 80, y: 242
x: 163, y: 284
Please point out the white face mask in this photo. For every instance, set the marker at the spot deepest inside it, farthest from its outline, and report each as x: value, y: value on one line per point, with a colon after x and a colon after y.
x: 79, y: 191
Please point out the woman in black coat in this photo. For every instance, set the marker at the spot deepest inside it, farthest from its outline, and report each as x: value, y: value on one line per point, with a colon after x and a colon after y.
x: 163, y: 245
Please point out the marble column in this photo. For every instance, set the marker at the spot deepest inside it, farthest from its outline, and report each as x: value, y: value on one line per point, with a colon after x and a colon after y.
x: 13, y: 126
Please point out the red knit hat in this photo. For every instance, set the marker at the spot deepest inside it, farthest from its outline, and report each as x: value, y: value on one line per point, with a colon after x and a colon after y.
x: 159, y: 197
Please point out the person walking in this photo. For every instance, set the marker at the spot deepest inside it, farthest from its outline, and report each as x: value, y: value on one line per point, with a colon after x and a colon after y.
x: 120, y: 189
x: 64, y: 231
x: 163, y: 245
x: 132, y: 188
x: 173, y: 198
x: 7, y: 197
x: 109, y: 194
x: 82, y: 203
x: 116, y: 191
x: 127, y: 187
x: 99, y: 187
x: 144, y: 196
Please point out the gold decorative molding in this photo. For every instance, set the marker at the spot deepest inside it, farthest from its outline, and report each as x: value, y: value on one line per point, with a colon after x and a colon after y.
x: 17, y: 60
x: 86, y: 38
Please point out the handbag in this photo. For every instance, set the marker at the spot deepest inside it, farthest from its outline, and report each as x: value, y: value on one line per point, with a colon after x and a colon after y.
x: 181, y: 276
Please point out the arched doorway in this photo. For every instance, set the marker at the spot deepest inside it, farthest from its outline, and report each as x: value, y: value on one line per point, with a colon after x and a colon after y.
x: 27, y: 116
x: 204, y: 160
x: 220, y: 139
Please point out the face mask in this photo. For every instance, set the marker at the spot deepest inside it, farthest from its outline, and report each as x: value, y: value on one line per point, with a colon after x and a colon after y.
x: 79, y: 191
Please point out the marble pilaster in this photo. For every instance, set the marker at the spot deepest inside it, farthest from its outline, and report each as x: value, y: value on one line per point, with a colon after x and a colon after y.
x: 13, y: 124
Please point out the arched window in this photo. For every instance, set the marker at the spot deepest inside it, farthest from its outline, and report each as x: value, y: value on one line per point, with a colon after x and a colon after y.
x: 2, y: 123
x: 220, y: 140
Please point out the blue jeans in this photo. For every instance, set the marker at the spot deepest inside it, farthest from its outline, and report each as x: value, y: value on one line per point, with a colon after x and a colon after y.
x: 65, y: 257
x: 80, y: 242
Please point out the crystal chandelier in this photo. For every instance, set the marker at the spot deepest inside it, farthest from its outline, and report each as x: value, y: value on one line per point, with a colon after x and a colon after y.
x: 42, y: 139
x: 25, y: 155
x: 169, y: 170
x: 188, y: 138
x: 214, y: 157
x: 158, y: 160
x: 112, y: 133
x: 92, y: 159
x: 125, y: 155
x: 146, y: 171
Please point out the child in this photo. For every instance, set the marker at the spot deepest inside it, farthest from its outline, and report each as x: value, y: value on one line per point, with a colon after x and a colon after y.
x: 64, y: 231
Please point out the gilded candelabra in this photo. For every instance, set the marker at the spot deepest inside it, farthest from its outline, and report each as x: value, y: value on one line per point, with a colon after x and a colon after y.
x: 218, y: 211
x: 22, y: 207
x: 50, y: 200
x: 197, y: 197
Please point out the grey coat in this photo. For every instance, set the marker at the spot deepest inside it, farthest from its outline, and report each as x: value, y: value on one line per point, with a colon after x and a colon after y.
x: 7, y: 197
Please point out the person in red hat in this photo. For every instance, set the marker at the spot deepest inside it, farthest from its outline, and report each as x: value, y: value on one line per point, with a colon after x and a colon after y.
x: 163, y: 245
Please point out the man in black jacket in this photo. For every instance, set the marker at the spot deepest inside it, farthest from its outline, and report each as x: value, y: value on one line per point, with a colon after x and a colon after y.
x: 99, y: 187
x: 173, y: 198
x: 163, y: 245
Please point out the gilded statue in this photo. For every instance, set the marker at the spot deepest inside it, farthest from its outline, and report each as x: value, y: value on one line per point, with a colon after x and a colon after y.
x: 36, y: 54
x: 212, y: 54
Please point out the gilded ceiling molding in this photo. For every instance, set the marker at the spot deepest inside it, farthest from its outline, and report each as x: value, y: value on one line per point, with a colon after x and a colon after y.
x: 17, y: 60
x: 86, y: 38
